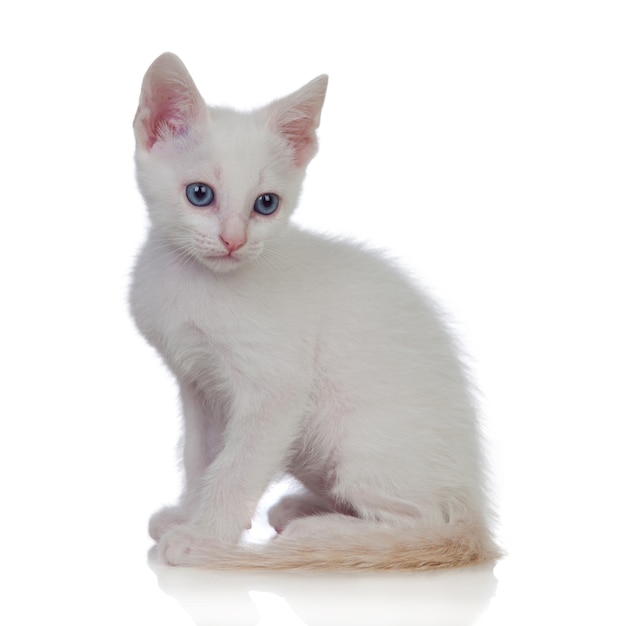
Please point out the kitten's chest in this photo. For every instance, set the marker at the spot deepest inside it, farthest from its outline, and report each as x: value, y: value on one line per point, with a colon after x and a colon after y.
x: 205, y: 325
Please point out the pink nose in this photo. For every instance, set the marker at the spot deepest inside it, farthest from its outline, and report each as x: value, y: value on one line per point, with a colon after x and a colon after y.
x: 232, y: 242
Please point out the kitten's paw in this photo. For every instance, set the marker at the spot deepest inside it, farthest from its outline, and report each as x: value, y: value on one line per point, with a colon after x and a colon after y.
x: 294, y: 506
x: 165, y: 519
x: 186, y: 545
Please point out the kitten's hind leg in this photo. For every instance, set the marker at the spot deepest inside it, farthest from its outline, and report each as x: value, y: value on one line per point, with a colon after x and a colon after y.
x: 297, y: 505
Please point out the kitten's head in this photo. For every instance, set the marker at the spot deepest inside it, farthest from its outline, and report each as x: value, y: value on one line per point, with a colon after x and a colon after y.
x: 220, y: 183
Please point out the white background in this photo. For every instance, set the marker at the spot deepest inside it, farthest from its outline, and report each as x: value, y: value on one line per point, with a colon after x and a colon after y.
x: 482, y: 143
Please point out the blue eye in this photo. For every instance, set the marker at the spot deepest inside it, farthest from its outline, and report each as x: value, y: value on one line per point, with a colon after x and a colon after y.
x: 266, y: 204
x: 199, y: 194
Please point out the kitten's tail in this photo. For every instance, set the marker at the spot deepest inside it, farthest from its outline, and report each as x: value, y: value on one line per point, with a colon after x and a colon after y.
x: 331, y: 543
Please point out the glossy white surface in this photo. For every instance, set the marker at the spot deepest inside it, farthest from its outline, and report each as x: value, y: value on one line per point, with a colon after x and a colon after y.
x: 297, y: 599
x: 482, y: 143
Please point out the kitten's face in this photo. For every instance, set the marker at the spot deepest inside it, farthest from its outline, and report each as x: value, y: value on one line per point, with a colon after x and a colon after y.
x: 221, y: 193
x: 220, y: 184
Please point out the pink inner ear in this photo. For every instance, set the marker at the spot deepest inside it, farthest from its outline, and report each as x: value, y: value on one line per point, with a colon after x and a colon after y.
x: 297, y: 117
x: 300, y: 133
x: 169, y: 103
x: 165, y: 115
x: 168, y: 118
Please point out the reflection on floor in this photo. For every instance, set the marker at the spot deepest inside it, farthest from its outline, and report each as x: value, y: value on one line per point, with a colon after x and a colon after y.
x: 446, y: 598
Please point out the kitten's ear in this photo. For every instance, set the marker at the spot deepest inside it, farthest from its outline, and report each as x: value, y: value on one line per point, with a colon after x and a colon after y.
x: 297, y: 116
x: 169, y: 102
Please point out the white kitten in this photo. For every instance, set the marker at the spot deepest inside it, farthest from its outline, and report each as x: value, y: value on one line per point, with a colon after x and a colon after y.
x: 294, y: 354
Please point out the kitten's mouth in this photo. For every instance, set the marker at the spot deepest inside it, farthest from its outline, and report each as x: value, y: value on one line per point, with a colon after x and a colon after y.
x: 221, y: 261
x: 217, y: 256
x: 229, y: 258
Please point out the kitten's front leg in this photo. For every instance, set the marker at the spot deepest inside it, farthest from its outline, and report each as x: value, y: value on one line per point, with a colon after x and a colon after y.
x: 201, y: 440
x: 256, y: 445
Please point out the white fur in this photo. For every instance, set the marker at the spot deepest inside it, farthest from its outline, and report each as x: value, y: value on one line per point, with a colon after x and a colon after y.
x: 295, y: 354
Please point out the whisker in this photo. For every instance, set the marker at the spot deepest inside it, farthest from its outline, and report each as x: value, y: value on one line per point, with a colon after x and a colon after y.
x: 166, y: 245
